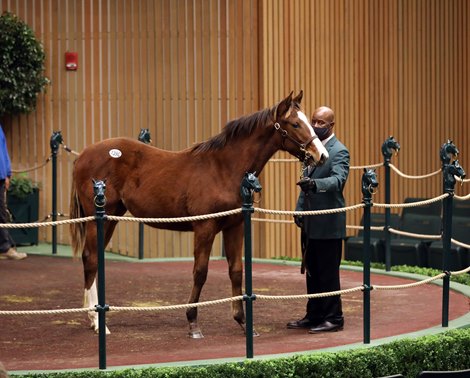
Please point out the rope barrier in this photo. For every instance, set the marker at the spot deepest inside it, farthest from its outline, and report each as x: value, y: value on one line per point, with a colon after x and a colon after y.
x: 70, y: 150
x: 314, y: 212
x: 462, y: 198
x: 272, y: 220
x: 32, y: 168
x: 460, y: 244
x: 237, y: 298
x: 412, y: 204
x: 461, y: 180
x: 413, y: 177
x: 179, y: 219
x: 367, y: 166
x: 43, y: 224
x: 412, y: 235
x: 410, y: 285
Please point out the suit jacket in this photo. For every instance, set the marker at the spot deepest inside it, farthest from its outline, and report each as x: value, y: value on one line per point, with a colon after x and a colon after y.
x: 330, y: 179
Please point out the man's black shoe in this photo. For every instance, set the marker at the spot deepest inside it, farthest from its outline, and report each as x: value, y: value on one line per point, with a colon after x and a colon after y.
x: 301, y: 324
x: 326, y: 326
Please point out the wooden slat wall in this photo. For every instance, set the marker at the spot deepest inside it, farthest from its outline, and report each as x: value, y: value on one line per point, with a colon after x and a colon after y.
x: 180, y: 68
x: 386, y: 68
x: 183, y: 68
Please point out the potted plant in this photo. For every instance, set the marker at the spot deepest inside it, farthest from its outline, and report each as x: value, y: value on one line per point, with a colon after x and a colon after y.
x: 23, y: 203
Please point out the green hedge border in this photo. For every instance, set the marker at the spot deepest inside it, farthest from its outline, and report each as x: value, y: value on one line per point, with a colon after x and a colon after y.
x: 447, y: 350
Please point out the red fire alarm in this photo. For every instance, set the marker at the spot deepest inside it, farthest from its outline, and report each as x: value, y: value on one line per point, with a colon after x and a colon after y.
x: 71, y: 61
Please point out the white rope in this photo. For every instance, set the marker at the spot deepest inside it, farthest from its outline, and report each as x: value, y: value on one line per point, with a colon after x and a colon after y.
x: 373, y: 228
x: 412, y: 235
x: 315, y: 212
x: 412, y: 177
x: 461, y: 180
x: 307, y: 296
x: 460, y: 244
x: 410, y: 285
x: 462, y: 198
x: 49, y: 312
x: 367, y: 166
x: 412, y: 204
x: 43, y: 224
x: 177, y: 307
x: 272, y: 220
x: 237, y: 298
x: 172, y: 220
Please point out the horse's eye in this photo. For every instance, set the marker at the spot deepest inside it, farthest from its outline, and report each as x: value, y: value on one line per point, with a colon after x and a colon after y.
x: 296, y: 125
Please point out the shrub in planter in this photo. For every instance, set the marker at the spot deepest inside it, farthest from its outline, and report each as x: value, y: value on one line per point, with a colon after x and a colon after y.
x: 23, y: 203
x: 21, y: 66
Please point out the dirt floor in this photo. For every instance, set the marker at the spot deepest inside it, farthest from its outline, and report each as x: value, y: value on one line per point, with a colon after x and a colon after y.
x: 50, y: 342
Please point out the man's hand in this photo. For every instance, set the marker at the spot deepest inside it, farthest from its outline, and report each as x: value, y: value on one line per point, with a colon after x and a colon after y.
x: 307, y: 184
x: 299, y: 220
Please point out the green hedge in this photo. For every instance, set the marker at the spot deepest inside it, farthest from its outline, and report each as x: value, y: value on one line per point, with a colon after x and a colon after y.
x: 446, y: 351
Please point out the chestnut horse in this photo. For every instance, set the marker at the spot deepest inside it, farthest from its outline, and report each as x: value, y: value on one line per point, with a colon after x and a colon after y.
x: 203, y: 179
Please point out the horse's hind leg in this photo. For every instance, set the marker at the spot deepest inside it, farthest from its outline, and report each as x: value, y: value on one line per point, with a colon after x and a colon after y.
x: 90, y: 267
x: 233, y: 241
x: 203, y: 239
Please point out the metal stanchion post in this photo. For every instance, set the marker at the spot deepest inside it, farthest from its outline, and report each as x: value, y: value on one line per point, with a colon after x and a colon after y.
x: 249, y: 184
x: 369, y: 184
x: 55, y: 141
x: 387, y: 147
x: 144, y: 137
x: 99, y: 188
x: 450, y: 169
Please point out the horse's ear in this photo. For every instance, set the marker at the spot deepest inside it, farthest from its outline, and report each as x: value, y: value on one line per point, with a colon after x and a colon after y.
x: 284, y: 106
x: 298, y: 99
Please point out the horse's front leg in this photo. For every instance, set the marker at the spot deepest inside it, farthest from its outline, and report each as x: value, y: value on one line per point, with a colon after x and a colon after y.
x: 233, y: 242
x: 203, y: 240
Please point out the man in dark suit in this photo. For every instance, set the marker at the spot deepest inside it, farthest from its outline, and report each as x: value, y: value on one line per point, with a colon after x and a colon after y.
x: 322, y: 188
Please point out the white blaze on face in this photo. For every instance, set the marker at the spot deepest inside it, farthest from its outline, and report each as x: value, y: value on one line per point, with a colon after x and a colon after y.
x: 317, y: 142
x: 305, y: 120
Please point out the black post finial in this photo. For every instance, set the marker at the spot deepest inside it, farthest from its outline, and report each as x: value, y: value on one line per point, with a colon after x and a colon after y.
x: 144, y: 136
x: 56, y: 141
x: 250, y: 184
x: 388, y: 147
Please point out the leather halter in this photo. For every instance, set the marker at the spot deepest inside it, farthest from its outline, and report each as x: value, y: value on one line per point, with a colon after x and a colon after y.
x: 302, y: 146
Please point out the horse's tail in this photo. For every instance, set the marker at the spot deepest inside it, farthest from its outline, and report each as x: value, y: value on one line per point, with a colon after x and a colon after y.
x: 77, y: 230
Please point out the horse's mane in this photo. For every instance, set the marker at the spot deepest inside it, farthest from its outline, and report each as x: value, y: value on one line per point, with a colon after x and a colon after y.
x: 242, y: 126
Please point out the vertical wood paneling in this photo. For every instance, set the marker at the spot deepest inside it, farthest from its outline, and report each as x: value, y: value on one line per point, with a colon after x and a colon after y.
x: 183, y: 68
x: 386, y: 68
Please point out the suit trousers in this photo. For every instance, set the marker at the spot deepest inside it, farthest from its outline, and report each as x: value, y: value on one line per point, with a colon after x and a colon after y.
x: 322, y: 260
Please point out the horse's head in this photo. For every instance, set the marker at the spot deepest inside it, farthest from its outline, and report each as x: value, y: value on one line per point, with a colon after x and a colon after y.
x: 298, y: 137
x: 389, y: 146
x: 369, y: 182
x: 448, y: 152
x: 250, y: 184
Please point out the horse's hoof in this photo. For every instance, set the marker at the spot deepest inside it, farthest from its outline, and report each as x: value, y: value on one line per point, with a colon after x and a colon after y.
x: 195, y: 334
x: 97, y: 330
x: 255, y: 334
